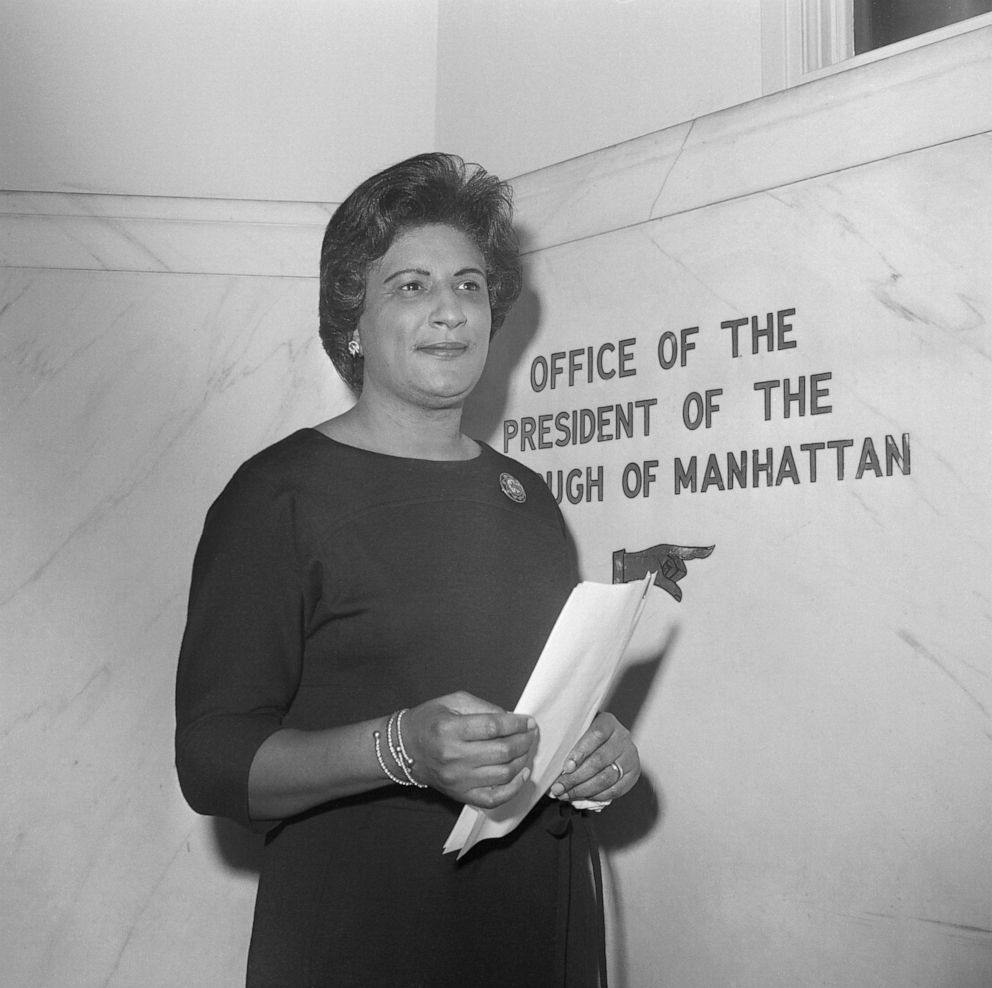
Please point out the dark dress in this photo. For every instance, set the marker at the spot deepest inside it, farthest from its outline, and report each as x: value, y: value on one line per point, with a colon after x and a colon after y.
x: 333, y: 585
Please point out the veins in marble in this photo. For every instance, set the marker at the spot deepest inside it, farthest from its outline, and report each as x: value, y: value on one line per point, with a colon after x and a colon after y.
x: 934, y: 452
x: 183, y: 845
x: 146, y: 900
x: 678, y: 262
x: 671, y: 168
x: 143, y: 248
x: 871, y: 512
x: 163, y: 609
x: 55, y: 708
x: 883, y: 289
x: 900, y: 309
x: 897, y: 426
x: 920, y: 649
x: 81, y: 241
x: 116, y: 226
x: 13, y: 301
x: 978, y: 670
x: 101, y: 510
x: 229, y: 370
x: 960, y: 931
x: 37, y: 362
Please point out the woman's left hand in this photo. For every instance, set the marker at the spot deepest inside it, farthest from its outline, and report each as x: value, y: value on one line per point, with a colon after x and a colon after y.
x: 603, y: 765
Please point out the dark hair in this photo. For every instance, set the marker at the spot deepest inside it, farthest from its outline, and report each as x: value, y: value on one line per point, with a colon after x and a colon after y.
x: 429, y: 188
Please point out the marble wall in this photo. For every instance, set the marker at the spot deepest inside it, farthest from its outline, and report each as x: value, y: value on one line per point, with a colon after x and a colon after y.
x: 146, y: 348
x: 815, y: 716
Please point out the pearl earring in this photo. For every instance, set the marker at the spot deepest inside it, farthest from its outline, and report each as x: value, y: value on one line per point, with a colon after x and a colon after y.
x: 354, y: 348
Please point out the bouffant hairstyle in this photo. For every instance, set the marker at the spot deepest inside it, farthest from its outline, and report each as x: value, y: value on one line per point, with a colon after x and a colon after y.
x: 429, y: 188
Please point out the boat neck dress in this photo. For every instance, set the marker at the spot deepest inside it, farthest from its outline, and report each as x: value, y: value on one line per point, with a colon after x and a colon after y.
x: 332, y: 585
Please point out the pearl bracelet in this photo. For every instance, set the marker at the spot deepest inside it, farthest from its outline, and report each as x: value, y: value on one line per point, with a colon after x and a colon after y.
x: 407, y: 760
x: 398, y: 750
x: 376, y: 735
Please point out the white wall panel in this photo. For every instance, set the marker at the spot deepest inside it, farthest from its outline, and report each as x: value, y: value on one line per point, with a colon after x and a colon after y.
x: 247, y: 100
x: 815, y: 717
x: 129, y: 394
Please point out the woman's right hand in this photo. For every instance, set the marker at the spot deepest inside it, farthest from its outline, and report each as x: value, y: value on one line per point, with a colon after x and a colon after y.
x: 469, y: 749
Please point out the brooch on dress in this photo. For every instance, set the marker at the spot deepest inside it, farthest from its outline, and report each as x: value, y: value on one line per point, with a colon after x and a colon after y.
x: 512, y: 488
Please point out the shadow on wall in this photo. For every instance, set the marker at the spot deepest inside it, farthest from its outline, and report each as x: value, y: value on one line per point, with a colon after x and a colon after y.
x: 643, y: 807
x: 483, y: 416
x: 240, y: 849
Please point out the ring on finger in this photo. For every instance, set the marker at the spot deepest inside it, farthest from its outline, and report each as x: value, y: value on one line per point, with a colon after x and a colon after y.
x: 619, y: 772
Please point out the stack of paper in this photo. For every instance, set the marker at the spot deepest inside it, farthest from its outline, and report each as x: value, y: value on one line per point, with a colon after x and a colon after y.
x: 564, y: 692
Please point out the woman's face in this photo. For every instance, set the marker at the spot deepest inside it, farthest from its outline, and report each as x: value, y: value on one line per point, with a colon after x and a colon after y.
x: 425, y: 326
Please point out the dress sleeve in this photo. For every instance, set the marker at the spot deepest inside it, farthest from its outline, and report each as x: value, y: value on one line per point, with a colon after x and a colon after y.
x: 241, y: 654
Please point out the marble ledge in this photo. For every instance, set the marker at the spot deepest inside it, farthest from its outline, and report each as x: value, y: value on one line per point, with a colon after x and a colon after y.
x: 931, y: 95
x: 81, y: 231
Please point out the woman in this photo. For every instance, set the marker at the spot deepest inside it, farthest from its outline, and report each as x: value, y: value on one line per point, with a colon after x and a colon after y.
x: 368, y: 600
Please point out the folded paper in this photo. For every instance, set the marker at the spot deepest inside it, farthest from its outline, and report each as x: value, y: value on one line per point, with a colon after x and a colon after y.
x: 564, y: 692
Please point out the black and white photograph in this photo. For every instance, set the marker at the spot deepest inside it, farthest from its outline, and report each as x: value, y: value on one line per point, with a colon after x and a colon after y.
x: 496, y: 493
